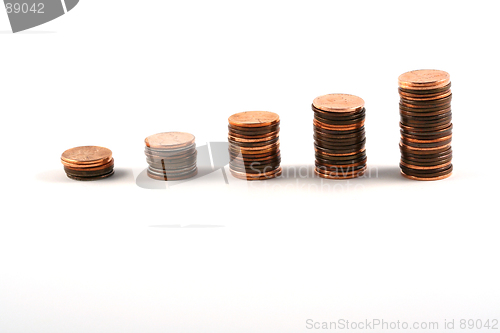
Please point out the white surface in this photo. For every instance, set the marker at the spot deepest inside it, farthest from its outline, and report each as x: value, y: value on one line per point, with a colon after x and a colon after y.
x: 83, y: 257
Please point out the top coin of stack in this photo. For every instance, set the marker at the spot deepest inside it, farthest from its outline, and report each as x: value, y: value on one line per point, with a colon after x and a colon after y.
x: 425, y: 110
x: 254, y: 145
x: 339, y: 136
x: 88, y: 163
x: 171, y: 156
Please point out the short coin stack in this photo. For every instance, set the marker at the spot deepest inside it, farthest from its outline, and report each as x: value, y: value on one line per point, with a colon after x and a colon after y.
x: 171, y: 156
x: 254, y: 147
x: 425, y: 110
x: 88, y: 163
x: 339, y: 136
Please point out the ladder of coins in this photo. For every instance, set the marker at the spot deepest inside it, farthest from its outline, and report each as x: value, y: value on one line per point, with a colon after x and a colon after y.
x: 425, y: 110
x: 254, y: 147
x: 339, y: 139
x: 88, y: 163
x: 171, y: 156
x: 339, y: 136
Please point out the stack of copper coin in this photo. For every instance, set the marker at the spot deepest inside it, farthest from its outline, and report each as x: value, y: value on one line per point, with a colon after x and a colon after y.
x: 425, y: 110
x: 254, y: 146
x: 88, y: 163
x: 339, y: 136
x: 171, y: 156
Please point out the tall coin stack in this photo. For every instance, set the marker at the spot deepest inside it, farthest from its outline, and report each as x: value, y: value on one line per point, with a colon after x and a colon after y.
x: 425, y: 110
x: 254, y: 147
x: 339, y: 136
x: 171, y: 156
x: 88, y: 163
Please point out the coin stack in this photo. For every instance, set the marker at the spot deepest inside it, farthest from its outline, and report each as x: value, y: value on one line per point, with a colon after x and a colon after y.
x: 339, y: 136
x: 171, y: 156
x: 254, y: 147
x: 88, y: 163
x: 425, y: 110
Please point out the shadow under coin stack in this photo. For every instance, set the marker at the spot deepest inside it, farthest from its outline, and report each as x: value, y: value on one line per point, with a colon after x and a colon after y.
x: 425, y: 110
x: 254, y: 146
x: 88, y: 163
x: 339, y: 136
x: 171, y: 156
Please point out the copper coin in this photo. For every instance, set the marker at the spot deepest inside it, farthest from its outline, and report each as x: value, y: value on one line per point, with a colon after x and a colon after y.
x: 254, y: 119
x: 329, y: 137
x: 169, y: 140
x: 339, y: 103
x: 328, y: 153
x: 427, y: 167
x: 325, y: 113
x: 253, y: 136
x: 430, y: 157
x: 434, y: 131
x: 427, y: 178
x: 90, y: 178
x: 339, y: 128
x: 258, y: 158
x: 329, y: 166
x: 87, y: 155
x: 339, y: 122
x: 430, y: 97
x: 89, y: 167
x: 414, y: 150
x: 340, y: 159
x: 247, y: 147
x: 443, y: 103
x: 441, y: 154
x: 427, y: 173
x: 254, y: 168
x: 426, y: 145
x: 424, y: 114
x: 426, y: 91
x: 424, y: 79
x: 249, y: 144
x: 426, y: 124
x: 338, y: 142
x: 339, y: 115
x: 338, y: 133
x: 88, y: 173
x: 81, y: 166
x: 423, y: 165
x: 425, y: 135
x: 334, y: 146
x: 440, y: 109
x: 444, y: 138
x: 337, y: 176
x: 257, y: 164
x: 265, y: 131
x: 343, y: 161
x: 239, y: 139
x: 242, y: 175
x: 268, y: 149
x: 253, y: 156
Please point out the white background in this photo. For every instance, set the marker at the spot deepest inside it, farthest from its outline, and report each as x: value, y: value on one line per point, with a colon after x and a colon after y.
x: 84, y: 257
